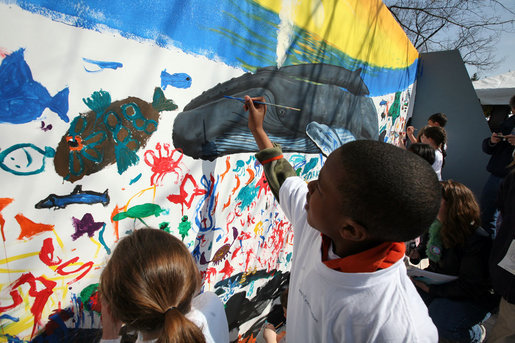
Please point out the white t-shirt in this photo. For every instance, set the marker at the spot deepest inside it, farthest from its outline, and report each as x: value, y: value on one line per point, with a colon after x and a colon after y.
x: 437, y: 165
x: 208, y: 313
x: 325, y: 305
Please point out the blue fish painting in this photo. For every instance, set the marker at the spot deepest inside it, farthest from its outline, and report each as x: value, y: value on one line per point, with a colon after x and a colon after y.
x: 177, y: 80
x: 22, y: 99
x: 78, y: 196
x: 101, y: 65
x: 25, y: 159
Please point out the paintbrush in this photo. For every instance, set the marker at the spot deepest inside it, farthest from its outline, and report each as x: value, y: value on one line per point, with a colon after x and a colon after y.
x: 264, y: 103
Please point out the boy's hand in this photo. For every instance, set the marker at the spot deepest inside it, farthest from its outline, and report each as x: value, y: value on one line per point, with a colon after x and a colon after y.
x: 257, y: 113
x: 256, y: 118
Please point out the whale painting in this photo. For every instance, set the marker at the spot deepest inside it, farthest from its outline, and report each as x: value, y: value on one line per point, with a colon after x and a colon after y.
x: 211, y: 126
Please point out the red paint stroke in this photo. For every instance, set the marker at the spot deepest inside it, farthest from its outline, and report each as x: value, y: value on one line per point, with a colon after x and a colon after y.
x: 235, y: 252
x: 94, y: 302
x: 46, y: 254
x: 251, y: 177
x: 237, y: 184
x: 181, y: 198
x: 247, y: 260
x: 163, y: 164
x: 115, y: 223
x: 87, y: 266
x: 3, y: 204
x: 41, y: 296
x: 263, y: 185
x: 30, y: 228
x: 227, y: 270
x: 227, y: 167
x: 210, y: 272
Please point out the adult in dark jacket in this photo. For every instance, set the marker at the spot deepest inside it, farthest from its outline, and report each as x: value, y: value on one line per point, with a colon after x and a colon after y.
x: 456, y: 245
x: 500, y: 146
x: 503, y: 280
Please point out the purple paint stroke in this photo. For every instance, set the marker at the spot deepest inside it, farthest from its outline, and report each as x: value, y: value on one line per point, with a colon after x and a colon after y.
x: 85, y: 225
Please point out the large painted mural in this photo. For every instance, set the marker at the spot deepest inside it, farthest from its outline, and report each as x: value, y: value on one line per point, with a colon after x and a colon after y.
x: 115, y: 115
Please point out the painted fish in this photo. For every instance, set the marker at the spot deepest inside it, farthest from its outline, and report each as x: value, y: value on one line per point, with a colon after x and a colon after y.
x: 140, y: 211
x: 101, y: 65
x: 111, y: 132
x: 211, y: 126
x: 78, y: 196
x: 25, y: 159
x: 22, y: 99
x: 177, y: 80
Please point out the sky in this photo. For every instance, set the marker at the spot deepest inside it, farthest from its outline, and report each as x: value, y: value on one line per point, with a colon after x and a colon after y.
x: 505, y: 47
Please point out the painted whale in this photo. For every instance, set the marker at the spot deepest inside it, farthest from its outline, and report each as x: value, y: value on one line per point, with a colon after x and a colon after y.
x: 211, y: 126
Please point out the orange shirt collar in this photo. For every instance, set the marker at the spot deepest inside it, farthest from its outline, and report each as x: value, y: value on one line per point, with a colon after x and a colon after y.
x: 380, y: 257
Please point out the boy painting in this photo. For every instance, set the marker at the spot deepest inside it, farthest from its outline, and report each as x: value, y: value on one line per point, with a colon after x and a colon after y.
x: 348, y: 281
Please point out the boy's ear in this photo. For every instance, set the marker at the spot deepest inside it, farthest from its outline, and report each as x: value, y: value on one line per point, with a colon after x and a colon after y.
x: 352, y: 231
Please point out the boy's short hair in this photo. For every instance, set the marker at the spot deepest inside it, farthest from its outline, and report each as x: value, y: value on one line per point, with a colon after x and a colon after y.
x: 512, y: 101
x: 392, y: 192
x: 439, y: 118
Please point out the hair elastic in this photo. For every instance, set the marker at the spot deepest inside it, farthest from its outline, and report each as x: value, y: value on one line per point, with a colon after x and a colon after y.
x: 168, y: 309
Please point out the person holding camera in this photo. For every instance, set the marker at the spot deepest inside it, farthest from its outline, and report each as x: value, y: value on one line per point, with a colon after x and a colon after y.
x: 500, y: 146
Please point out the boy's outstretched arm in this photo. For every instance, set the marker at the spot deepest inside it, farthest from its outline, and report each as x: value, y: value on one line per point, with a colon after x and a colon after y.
x: 276, y: 168
x: 257, y: 114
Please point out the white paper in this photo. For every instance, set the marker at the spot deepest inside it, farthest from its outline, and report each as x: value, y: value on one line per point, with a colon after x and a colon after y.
x: 508, y: 262
x: 428, y: 277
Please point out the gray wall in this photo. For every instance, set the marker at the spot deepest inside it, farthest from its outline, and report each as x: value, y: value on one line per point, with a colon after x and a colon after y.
x: 443, y: 85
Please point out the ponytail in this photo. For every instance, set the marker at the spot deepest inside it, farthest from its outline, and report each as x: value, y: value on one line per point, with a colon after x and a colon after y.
x: 179, y: 329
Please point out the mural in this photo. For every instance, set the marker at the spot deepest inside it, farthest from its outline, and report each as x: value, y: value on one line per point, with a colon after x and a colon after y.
x: 115, y: 116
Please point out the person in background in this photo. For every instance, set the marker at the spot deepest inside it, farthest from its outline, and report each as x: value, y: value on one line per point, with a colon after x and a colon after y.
x: 503, y: 250
x: 151, y: 283
x: 348, y: 280
x: 425, y: 151
x: 436, y: 137
x: 436, y: 119
x: 500, y: 147
x: 457, y: 245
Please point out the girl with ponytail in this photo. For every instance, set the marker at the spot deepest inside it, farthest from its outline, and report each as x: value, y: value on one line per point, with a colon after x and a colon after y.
x: 436, y: 137
x: 151, y: 284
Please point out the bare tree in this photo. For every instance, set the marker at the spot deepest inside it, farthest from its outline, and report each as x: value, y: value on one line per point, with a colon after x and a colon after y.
x: 471, y: 26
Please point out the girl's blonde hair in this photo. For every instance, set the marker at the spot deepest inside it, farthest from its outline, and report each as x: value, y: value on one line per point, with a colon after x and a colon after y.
x: 461, y: 216
x: 149, y: 283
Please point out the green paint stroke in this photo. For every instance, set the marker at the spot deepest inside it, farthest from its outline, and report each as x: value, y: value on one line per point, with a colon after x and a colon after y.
x: 140, y: 211
x: 184, y: 227
x: 85, y: 296
x: 165, y: 226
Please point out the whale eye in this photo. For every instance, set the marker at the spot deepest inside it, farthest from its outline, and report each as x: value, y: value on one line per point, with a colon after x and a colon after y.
x: 73, y: 144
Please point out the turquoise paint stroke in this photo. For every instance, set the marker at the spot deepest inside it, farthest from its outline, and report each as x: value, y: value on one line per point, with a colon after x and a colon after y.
x: 18, y: 159
x: 247, y: 195
x: 101, y: 239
